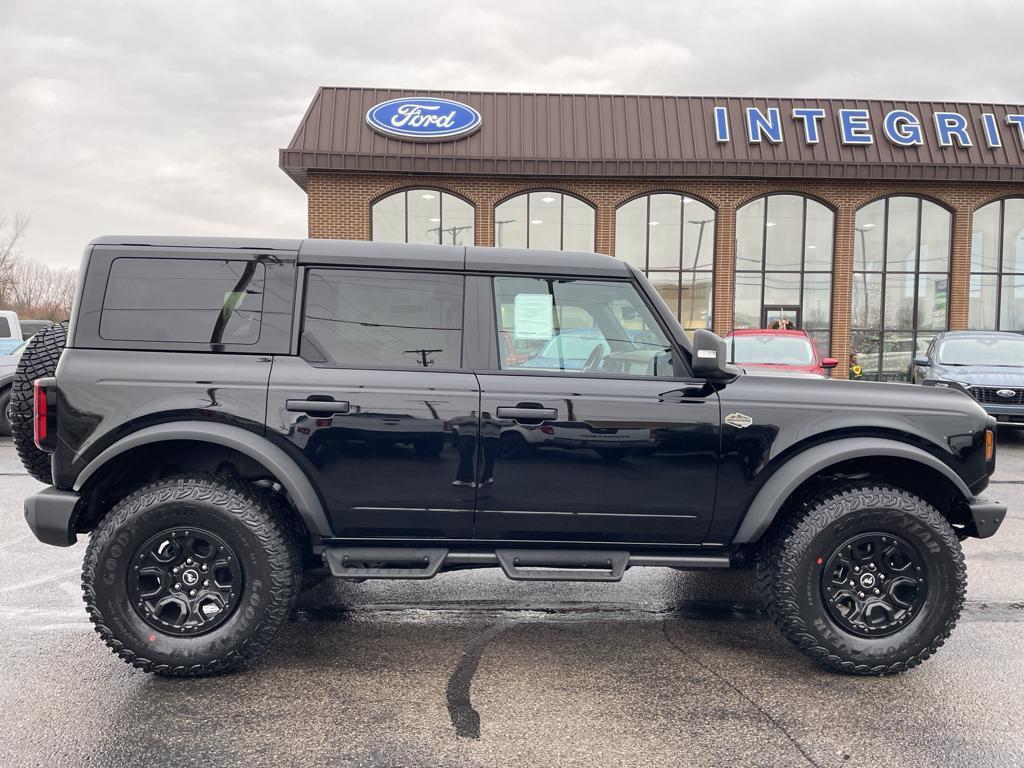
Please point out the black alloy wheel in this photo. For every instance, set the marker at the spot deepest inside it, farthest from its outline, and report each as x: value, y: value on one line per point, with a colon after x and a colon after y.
x: 874, y: 584
x: 185, y: 581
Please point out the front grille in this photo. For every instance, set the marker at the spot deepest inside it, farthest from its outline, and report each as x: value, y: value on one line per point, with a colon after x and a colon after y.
x: 988, y: 395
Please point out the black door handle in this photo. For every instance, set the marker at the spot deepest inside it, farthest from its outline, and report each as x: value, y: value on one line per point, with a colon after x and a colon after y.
x: 316, y: 406
x: 527, y: 414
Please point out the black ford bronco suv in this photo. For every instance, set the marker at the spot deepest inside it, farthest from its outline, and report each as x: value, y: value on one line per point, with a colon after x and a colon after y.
x: 227, y: 418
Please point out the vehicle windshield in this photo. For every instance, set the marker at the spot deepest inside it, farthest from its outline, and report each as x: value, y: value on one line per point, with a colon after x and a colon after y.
x: 979, y: 350
x: 770, y: 350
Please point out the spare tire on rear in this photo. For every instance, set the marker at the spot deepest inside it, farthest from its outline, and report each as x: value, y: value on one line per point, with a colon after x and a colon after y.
x: 38, y: 361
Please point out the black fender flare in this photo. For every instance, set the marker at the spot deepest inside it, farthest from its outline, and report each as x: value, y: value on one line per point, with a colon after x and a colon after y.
x: 797, y: 469
x: 307, y: 501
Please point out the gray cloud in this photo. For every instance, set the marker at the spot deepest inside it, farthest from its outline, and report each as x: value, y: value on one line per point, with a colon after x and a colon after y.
x: 166, y: 118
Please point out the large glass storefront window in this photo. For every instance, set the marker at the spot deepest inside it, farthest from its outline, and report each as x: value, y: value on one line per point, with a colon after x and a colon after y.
x: 545, y: 220
x: 671, y: 238
x: 423, y: 216
x: 900, y: 283
x: 997, y: 267
x: 784, y: 266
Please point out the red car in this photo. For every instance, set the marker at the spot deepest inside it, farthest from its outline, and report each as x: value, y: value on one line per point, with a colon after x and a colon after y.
x: 783, y: 351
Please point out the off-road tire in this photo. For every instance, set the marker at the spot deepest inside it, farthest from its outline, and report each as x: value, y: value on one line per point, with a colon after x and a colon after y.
x: 789, y: 577
x: 5, y: 413
x: 38, y: 360
x: 242, y: 517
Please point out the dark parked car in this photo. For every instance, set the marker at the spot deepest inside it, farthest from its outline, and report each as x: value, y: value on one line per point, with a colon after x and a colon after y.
x: 230, y: 417
x: 987, y: 365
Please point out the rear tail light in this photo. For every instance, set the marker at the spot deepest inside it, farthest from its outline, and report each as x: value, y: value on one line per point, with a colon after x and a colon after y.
x: 43, y: 412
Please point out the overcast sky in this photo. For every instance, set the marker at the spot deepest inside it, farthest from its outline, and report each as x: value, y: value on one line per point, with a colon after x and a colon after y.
x: 166, y: 118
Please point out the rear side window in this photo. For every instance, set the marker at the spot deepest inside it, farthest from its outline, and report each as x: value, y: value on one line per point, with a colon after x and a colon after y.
x: 208, y: 301
x: 5, y: 328
x: 377, y: 319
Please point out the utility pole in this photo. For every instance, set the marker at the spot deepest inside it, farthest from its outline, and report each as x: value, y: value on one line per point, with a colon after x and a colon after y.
x: 499, y: 225
x: 425, y: 362
x: 453, y: 231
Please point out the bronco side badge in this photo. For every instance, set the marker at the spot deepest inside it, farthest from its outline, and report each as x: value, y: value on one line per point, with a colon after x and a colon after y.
x: 738, y: 420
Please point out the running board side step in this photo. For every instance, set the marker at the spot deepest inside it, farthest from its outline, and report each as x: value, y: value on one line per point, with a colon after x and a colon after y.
x: 517, y: 564
x: 384, y: 562
x: 562, y: 564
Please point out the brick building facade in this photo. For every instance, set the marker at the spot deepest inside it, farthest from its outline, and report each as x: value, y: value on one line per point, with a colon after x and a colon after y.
x: 606, y: 151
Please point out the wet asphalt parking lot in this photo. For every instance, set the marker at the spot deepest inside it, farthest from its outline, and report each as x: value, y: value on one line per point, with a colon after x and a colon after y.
x: 662, y: 669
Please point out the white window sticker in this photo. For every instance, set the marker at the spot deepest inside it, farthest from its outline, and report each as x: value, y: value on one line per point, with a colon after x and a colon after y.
x: 533, y: 316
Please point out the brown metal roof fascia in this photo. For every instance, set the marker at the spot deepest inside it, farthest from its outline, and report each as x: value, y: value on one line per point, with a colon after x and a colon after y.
x: 298, y: 164
x: 620, y: 135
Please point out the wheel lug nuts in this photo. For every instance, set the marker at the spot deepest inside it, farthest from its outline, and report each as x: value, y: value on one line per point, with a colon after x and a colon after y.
x: 192, y: 593
x: 861, y: 594
x: 177, y: 586
x: 877, y: 592
x: 206, y: 583
x: 189, y: 561
x: 856, y: 568
x: 204, y: 567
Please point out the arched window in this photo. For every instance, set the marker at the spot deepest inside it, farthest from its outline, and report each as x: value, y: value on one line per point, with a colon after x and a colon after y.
x: 900, y: 283
x: 784, y: 265
x: 423, y: 216
x: 997, y: 267
x: 671, y: 238
x: 546, y: 220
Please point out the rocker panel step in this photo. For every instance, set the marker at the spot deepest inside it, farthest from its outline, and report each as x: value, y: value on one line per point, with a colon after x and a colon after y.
x: 562, y: 564
x: 384, y: 562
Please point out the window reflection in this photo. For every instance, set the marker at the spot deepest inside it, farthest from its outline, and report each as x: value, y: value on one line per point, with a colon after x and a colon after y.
x: 671, y: 239
x: 996, y: 299
x: 900, y: 283
x: 784, y: 249
x: 423, y: 216
x: 545, y: 220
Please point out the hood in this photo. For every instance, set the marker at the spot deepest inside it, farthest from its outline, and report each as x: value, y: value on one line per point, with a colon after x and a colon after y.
x: 983, y: 375
x: 782, y: 370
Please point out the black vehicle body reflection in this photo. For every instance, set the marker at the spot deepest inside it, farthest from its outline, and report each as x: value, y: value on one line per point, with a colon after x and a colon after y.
x: 633, y: 492
x: 397, y: 428
x: 386, y: 466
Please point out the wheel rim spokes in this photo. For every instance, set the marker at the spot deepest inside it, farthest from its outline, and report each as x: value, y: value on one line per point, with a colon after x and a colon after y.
x: 874, y: 584
x: 185, y: 581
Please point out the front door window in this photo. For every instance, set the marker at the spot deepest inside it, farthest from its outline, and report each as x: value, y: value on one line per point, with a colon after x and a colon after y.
x: 578, y: 326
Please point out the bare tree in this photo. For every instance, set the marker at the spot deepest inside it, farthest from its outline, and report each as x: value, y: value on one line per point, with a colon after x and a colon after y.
x: 40, y: 292
x: 12, y: 232
x: 31, y: 288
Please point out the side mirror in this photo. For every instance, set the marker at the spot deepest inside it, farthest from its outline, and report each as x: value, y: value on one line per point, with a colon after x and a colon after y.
x: 922, y: 361
x: 829, y: 363
x: 709, y: 357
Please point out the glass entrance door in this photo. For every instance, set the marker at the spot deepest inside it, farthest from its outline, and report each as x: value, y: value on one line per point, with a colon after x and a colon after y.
x: 781, y: 316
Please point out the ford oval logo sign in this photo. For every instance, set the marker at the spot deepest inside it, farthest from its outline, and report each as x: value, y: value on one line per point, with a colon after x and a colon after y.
x: 423, y: 118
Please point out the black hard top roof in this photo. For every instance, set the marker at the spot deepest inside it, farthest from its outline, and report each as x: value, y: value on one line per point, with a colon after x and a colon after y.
x: 362, y: 253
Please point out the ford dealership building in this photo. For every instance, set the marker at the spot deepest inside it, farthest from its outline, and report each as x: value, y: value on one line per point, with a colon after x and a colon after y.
x: 870, y: 224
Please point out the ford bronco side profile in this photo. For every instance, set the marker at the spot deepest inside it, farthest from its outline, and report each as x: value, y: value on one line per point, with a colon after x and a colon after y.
x: 228, y: 417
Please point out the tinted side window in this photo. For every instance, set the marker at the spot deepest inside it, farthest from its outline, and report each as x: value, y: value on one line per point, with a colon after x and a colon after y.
x: 5, y: 328
x: 382, y: 319
x: 183, y: 300
x: 579, y: 326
